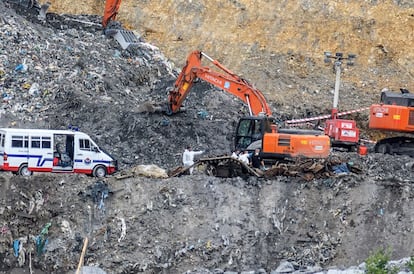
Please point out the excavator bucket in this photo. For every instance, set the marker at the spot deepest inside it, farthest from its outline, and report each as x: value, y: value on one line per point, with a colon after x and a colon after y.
x: 125, y: 38
x: 43, y: 10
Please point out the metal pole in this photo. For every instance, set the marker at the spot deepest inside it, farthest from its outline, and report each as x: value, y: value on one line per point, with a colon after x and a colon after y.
x: 337, y: 82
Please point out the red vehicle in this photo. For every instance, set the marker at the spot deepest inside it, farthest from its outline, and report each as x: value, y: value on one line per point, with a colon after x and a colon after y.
x: 343, y: 133
x: 394, y: 113
x: 257, y: 130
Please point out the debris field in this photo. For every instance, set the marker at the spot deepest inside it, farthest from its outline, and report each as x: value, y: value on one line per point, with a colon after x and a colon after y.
x: 62, y: 71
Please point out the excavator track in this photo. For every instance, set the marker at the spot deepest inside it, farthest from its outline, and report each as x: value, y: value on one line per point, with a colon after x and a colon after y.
x: 307, y: 169
x: 220, y: 166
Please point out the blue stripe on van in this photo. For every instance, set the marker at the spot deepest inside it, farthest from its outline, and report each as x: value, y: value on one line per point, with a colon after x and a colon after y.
x: 101, y: 161
x: 94, y: 161
x: 40, y: 162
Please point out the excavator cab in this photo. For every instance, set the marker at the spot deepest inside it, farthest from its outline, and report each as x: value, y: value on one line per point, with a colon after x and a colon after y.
x: 251, y: 129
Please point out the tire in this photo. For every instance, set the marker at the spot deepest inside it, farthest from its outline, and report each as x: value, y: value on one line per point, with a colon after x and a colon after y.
x: 383, y: 148
x: 99, y: 171
x: 24, y: 170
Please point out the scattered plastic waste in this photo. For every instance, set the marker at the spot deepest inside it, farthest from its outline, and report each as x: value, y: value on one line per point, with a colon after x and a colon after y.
x: 41, y: 240
x: 6, y: 97
x: 21, y: 68
x: 341, y: 169
x: 117, y: 54
x: 122, y: 226
x: 165, y: 122
x: 99, y: 192
x: 4, y: 229
x: 104, y: 195
x: 203, y: 114
x: 22, y: 255
x: 34, y: 90
x: 92, y: 270
x: 16, y: 248
x: 26, y: 85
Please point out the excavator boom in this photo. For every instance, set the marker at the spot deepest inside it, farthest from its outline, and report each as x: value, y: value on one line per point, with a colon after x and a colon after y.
x: 227, y: 81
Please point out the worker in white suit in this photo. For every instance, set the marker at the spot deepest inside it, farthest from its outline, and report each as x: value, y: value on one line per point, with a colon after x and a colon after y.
x: 188, y: 157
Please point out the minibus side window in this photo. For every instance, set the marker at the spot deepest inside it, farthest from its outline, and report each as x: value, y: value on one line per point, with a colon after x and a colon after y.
x: 20, y: 141
x: 46, y: 142
x: 84, y: 144
x: 41, y: 142
x: 35, y: 142
x: 2, y: 137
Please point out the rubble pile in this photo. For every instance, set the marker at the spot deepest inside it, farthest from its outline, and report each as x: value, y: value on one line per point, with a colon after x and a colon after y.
x: 62, y: 71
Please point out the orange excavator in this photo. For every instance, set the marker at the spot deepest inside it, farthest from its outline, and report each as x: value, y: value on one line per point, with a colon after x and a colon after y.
x: 394, y: 113
x: 111, y: 28
x: 259, y: 129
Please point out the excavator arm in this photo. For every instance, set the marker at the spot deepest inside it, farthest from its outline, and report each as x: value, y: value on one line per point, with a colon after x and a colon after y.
x: 110, y: 12
x: 227, y: 81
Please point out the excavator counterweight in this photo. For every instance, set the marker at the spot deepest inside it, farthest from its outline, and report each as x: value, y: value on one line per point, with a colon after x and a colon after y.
x: 394, y: 113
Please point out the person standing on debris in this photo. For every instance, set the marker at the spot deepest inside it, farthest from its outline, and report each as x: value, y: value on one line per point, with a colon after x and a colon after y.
x: 245, y: 157
x: 188, y: 158
x: 257, y: 160
x: 235, y: 154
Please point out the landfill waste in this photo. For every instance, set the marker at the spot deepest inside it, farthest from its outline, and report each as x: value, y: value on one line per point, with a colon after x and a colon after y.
x: 138, y: 223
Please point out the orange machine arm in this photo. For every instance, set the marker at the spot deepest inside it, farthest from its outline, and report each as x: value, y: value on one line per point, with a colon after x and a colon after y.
x: 229, y: 82
x: 111, y: 10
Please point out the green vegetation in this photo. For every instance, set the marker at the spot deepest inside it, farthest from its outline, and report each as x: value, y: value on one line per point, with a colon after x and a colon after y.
x: 410, y: 264
x: 376, y: 263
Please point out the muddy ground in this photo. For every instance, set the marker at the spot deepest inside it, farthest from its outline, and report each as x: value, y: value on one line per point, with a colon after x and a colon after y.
x: 188, y: 223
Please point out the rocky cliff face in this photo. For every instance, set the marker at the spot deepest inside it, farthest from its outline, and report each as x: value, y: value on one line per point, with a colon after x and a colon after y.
x: 244, y: 35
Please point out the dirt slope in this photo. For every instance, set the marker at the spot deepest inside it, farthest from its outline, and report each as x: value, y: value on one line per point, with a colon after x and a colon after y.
x: 244, y: 35
x: 200, y: 222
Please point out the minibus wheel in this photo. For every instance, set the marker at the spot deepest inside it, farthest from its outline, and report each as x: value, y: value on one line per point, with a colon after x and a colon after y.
x: 99, y: 171
x: 24, y: 170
